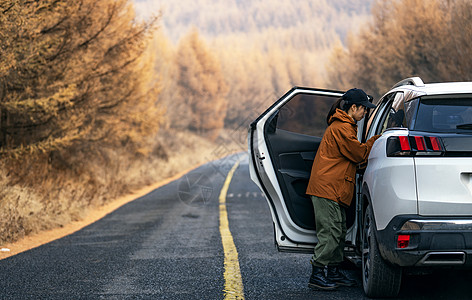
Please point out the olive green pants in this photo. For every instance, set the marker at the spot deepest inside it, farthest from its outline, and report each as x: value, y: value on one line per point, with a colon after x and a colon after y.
x: 330, y: 222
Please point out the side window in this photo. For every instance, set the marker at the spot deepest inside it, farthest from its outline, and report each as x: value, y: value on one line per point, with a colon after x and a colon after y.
x: 370, y: 118
x: 384, y: 104
x: 410, y: 109
x: 305, y: 114
x: 394, y: 116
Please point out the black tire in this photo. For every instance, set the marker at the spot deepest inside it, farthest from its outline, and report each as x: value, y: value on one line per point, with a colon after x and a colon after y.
x: 379, y: 279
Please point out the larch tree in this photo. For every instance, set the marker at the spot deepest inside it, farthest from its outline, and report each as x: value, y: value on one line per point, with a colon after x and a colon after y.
x: 250, y: 87
x: 406, y: 38
x: 201, y: 85
x: 73, y: 74
x: 458, y: 42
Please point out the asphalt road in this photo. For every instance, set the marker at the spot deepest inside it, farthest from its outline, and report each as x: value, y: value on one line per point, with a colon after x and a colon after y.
x: 168, y: 245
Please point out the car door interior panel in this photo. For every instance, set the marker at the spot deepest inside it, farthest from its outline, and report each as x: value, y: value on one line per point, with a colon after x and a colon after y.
x: 293, y: 155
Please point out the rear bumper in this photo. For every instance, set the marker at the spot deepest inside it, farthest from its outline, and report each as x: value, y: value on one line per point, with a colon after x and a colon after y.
x: 438, y: 241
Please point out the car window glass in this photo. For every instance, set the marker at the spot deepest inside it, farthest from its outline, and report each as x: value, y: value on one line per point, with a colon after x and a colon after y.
x: 444, y: 115
x: 370, y: 117
x: 410, y: 110
x: 382, y: 125
x: 379, y: 116
x: 396, y: 114
x: 305, y: 114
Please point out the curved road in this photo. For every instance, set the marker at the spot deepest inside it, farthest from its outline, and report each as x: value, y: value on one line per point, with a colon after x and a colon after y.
x: 169, y: 245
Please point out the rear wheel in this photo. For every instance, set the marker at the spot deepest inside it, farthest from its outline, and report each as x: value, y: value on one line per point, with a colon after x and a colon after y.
x: 379, y: 278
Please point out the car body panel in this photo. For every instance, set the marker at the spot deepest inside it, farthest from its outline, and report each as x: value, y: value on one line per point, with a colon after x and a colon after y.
x: 436, y: 173
x: 390, y: 179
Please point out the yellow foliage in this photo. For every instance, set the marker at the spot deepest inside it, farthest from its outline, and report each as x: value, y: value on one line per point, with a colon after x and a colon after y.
x: 201, y: 85
x: 263, y: 47
x: 49, y: 105
x: 73, y: 74
x: 426, y: 38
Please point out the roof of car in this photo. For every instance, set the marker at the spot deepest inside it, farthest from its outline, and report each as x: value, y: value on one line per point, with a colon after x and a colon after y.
x: 440, y: 88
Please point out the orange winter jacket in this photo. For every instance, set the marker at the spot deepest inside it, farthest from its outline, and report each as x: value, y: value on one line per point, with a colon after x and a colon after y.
x: 334, y: 169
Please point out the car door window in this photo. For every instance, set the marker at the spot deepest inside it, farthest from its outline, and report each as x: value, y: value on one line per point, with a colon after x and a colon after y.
x: 384, y: 104
x: 370, y: 118
x: 394, y: 115
x: 305, y: 114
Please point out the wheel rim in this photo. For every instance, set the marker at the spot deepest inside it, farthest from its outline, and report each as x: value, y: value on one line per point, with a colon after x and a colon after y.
x: 366, y: 246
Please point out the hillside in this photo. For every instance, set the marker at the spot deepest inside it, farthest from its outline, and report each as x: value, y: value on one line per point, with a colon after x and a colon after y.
x: 311, y: 22
x: 264, y: 47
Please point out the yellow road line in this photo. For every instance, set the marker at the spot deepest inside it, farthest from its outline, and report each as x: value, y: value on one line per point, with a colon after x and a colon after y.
x: 233, y: 280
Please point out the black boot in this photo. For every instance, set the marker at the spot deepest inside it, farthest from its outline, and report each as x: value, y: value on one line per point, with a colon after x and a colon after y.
x: 336, y: 276
x: 318, y: 280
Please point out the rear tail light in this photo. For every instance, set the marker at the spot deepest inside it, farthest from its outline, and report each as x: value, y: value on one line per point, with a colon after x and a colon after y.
x: 403, y: 240
x: 419, y: 140
x: 435, y: 143
x: 414, y: 146
x: 404, y: 143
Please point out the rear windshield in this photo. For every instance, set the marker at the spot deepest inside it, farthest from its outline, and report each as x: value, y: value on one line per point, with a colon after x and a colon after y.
x: 444, y: 115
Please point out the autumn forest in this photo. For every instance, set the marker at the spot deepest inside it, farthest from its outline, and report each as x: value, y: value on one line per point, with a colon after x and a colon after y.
x: 98, y: 98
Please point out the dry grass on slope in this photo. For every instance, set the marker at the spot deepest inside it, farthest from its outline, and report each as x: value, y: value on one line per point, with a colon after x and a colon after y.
x: 52, y: 198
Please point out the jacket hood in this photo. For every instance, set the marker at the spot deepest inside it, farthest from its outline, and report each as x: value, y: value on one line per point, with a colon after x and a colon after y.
x: 342, y: 116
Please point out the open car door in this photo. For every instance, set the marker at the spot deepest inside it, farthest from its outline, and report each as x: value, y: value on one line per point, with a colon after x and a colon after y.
x: 282, y: 145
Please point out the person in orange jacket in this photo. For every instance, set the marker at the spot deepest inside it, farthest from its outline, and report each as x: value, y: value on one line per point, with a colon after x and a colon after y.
x: 331, y: 186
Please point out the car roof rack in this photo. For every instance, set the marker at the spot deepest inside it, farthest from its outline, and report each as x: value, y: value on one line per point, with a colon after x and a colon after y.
x: 416, y: 81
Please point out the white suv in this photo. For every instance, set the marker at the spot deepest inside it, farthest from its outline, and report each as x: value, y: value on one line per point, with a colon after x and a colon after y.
x: 413, y: 202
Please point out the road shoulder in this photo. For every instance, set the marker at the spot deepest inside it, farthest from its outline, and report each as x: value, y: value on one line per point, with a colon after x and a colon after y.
x: 41, y: 238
